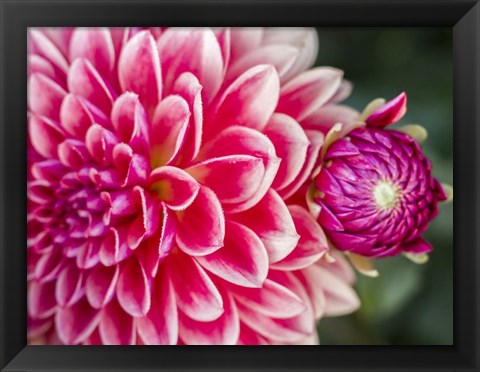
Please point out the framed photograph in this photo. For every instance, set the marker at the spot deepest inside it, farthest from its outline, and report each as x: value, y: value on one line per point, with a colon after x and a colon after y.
x: 276, y: 176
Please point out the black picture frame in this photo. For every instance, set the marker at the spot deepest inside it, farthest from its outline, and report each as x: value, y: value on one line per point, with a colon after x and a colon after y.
x: 16, y: 16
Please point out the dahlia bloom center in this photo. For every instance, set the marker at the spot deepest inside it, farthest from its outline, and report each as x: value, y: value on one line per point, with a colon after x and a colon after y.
x: 385, y: 194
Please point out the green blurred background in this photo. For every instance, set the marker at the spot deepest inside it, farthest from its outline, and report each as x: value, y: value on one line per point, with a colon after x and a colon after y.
x: 407, y: 304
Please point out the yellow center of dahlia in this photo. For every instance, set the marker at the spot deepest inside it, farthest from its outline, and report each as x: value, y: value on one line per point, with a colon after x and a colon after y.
x: 385, y: 194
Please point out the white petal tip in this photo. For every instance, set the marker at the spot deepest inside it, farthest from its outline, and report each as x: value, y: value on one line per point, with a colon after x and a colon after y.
x: 419, y: 259
x: 371, y: 107
x: 417, y: 132
x: 363, y: 265
x: 449, y: 191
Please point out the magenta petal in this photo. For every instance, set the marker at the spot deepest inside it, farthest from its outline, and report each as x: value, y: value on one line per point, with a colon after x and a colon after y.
x: 418, y: 246
x: 197, y: 296
x: 201, y: 227
x: 133, y: 289
x: 273, y: 300
x: 389, y: 113
x: 69, y: 286
x: 291, y: 145
x: 85, y: 81
x: 311, y: 246
x: 116, y: 327
x: 234, y: 178
x: 175, y: 187
x: 75, y: 323
x: 272, y: 222
x: 100, y: 285
x: 160, y: 325
x: 249, y: 101
x: 96, y: 45
x: 147, y: 221
x: 139, y: 69
x: 243, y: 259
x: 222, y: 331
x: 167, y: 132
x: 308, y: 91
x: 45, y: 96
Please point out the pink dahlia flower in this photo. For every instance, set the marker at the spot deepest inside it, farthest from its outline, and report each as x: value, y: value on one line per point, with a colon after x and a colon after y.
x: 158, y: 165
x: 374, y: 193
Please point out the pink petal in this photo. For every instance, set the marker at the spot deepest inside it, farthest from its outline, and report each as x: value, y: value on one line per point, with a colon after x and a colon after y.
x: 316, y: 139
x: 312, y: 244
x: 281, y: 330
x: 249, y: 337
x: 291, y: 145
x: 340, y: 298
x: 77, y: 115
x: 60, y: 36
x: 44, y: 135
x: 130, y: 122
x: 100, y: 285
x: 73, y: 154
x: 279, y: 56
x: 75, y: 323
x: 133, y: 289
x: 234, y: 178
x: 160, y: 325
x: 343, y: 92
x: 41, y: 302
x: 240, y: 140
x: 326, y: 117
x: 196, y: 294
x: 305, y: 40
x: 273, y: 300
x: 87, y: 256
x: 249, y: 101
x: 175, y: 187
x: 100, y: 143
x: 69, y: 286
x: 188, y: 87
x: 39, y: 65
x: 222, y: 331
x: 271, y: 221
x: 139, y: 69
x: 389, y: 113
x: 114, y: 247
x: 167, y: 132
x: 308, y: 91
x: 244, y: 39
x: 86, y: 82
x: 96, y: 45
x: 243, y: 259
x: 201, y: 227
x: 116, y: 327
x: 194, y: 50
x: 147, y: 222
x: 45, y: 96
x: 43, y: 46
